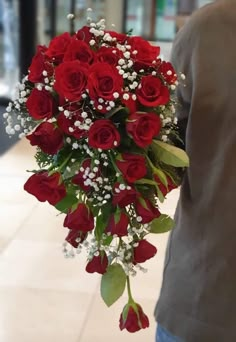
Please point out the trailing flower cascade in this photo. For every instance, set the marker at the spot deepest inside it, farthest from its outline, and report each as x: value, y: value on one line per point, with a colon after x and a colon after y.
x: 100, y: 108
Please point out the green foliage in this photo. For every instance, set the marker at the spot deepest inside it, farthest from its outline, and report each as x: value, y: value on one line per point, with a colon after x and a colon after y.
x: 113, y: 284
x: 66, y: 203
x: 170, y: 154
x: 162, y: 224
x: 102, y: 220
x: 43, y: 159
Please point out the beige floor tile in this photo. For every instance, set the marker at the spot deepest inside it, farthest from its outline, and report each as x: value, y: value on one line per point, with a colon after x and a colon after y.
x: 18, y: 159
x: 29, y: 315
x: 42, y: 265
x: 102, y: 324
x: 12, y: 190
x: 44, y: 223
x: 12, y: 216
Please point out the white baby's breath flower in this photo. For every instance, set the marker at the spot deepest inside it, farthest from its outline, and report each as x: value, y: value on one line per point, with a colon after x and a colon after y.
x: 70, y: 16
x: 126, y: 96
x: 92, y: 42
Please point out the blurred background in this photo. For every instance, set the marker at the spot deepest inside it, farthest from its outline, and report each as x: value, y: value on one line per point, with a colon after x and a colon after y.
x: 43, y: 296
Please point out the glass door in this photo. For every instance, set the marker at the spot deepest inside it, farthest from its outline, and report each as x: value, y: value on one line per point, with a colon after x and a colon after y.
x: 9, y: 65
x: 165, y: 28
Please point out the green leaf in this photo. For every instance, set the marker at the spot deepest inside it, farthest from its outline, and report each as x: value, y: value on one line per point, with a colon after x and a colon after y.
x: 146, y: 181
x: 66, y: 203
x: 160, y: 195
x: 101, y: 224
x: 170, y: 154
x: 102, y: 220
x: 113, y: 284
x: 162, y: 224
x: 107, y: 241
x: 68, y: 173
x: 161, y: 175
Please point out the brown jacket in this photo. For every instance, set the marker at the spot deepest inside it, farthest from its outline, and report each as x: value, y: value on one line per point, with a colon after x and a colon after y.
x: 198, y: 296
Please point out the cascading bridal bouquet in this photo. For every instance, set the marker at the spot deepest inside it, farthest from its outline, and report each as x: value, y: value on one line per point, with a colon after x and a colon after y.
x: 99, y: 107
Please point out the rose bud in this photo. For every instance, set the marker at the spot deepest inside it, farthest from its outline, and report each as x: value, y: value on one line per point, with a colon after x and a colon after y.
x: 120, y: 37
x: 103, y: 134
x: 66, y: 123
x: 118, y: 224
x: 168, y: 72
x: 57, y: 47
x: 144, y: 251
x: 45, y: 187
x: 107, y: 55
x: 133, y: 318
x: 40, y: 104
x: 152, y: 92
x: 80, y: 219
x: 79, y: 50
x: 165, y: 189
x: 123, y: 197
x: 47, y: 137
x: 98, y: 264
x: 146, y: 210
x: 132, y: 166
x: 84, y: 34
x: 38, y: 65
x: 143, y: 127
x: 78, y: 179
x: 75, y: 237
x: 147, y: 53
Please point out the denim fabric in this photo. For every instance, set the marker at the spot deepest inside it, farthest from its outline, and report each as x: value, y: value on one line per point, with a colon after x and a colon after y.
x: 164, y: 336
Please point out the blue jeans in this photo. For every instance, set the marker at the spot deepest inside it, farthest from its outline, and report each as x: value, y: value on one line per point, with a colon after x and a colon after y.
x: 164, y: 336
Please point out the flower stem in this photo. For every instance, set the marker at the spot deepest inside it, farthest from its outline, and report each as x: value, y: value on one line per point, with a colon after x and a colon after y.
x: 65, y: 162
x: 131, y: 300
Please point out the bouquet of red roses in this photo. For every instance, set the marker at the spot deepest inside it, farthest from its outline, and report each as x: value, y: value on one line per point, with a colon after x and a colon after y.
x: 99, y: 107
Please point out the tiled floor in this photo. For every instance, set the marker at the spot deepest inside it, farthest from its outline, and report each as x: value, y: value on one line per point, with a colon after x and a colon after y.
x: 43, y: 296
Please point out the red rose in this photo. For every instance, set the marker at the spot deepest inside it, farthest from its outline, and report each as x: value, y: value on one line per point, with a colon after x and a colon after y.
x: 132, y: 166
x: 79, y: 50
x: 165, y: 189
x: 120, y: 37
x: 71, y: 80
x: 40, y: 104
x: 108, y: 55
x: 152, y: 92
x: 143, y: 127
x: 144, y: 251
x: 146, y: 210
x: 118, y: 224
x: 45, y: 187
x: 85, y: 34
x: 75, y: 237
x: 38, y: 65
x: 57, y: 47
x: 168, y: 72
x: 146, y: 53
x: 98, y: 264
x: 79, y: 179
x: 103, y: 81
x: 47, y: 137
x: 133, y: 318
x: 103, y: 134
x: 122, y: 198
x: 69, y: 124
x: 131, y: 104
x: 80, y: 219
